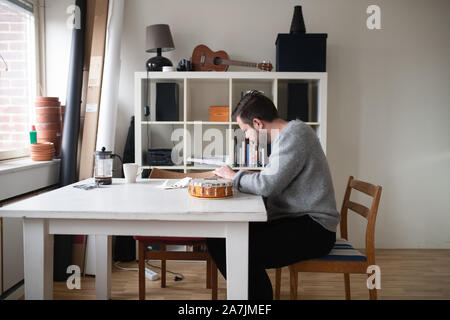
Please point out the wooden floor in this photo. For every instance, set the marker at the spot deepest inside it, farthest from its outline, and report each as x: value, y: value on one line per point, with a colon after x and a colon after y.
x: 405, y: 274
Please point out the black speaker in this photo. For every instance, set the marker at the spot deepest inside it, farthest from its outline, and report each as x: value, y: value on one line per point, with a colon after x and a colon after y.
x: 167, y: 107
x: 298, y: 105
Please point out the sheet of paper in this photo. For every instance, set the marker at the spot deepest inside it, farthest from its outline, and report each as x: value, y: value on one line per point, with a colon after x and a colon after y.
x: 183, y: 183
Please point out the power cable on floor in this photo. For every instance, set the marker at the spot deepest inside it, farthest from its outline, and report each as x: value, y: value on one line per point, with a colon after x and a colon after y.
x: 178, y: 276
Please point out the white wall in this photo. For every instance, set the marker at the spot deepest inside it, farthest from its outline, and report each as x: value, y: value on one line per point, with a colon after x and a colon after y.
x: 389, y: 97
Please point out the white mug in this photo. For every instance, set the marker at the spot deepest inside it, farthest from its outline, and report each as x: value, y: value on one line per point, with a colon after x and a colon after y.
x: 131, y: 171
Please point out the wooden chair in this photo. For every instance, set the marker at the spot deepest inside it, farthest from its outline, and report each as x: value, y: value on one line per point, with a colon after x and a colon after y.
x: 343, y: 258
x: 163, y: 255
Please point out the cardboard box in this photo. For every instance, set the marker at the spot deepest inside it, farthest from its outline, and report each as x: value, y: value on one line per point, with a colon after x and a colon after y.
x: 219, y: 114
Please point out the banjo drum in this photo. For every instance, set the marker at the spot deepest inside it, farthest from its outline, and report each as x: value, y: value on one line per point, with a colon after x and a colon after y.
x: 211, y: 188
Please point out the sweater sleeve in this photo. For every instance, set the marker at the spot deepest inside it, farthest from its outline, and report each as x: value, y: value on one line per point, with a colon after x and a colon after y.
x: 285, y: 163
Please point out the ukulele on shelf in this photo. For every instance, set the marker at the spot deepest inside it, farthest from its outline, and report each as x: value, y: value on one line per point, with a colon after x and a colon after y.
x: 204, y: 59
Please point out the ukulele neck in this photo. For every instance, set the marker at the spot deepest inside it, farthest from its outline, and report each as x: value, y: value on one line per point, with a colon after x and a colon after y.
x: 238, y: 63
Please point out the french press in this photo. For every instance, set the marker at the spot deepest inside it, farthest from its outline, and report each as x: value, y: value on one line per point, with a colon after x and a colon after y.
x: 103, y: 171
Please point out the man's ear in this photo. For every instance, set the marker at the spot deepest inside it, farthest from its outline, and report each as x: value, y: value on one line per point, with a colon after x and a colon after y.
x: 258, y: 124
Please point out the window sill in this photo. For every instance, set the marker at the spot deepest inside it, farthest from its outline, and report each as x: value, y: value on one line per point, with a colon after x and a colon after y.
x: 24, y: 175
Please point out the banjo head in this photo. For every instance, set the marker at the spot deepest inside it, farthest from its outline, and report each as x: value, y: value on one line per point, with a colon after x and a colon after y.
x: 210, y: 188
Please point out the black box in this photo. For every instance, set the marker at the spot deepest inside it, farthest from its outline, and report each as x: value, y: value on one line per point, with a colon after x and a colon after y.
x: 302, y: 52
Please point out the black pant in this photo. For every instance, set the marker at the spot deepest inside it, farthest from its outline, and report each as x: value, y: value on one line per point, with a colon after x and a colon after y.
x: 276, y: 244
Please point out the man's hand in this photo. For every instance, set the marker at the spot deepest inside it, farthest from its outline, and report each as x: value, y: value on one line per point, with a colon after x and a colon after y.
x: 225, y: 172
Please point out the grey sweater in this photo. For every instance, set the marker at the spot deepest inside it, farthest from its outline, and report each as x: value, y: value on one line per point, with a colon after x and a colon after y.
x: 299, y: 183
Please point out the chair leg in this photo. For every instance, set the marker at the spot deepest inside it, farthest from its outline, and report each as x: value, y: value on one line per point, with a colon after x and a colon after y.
x: 372, y: 293
x: 163, y: 269
x: 213, y: 280
x: 347, y: 286
x: 277, y: 283
x: 141, y: 270
x: 294, y: 282
x: 208, y: 273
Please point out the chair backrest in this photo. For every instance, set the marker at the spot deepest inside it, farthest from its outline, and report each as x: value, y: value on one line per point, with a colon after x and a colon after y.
x: 370, y: 214
x: 165, y: 174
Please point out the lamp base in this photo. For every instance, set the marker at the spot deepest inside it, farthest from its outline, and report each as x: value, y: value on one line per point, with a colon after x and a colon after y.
x: 157, y: 63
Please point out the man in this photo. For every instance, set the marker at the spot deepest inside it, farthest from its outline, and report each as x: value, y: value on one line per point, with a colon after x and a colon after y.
x: 297, y: 190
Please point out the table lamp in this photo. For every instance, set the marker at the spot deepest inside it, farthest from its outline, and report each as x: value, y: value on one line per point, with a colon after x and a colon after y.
x: 159, y: 39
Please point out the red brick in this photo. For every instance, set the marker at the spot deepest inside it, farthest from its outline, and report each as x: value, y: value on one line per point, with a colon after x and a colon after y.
x: 4, y: 101
x: 17, y: 27
x: 19, y: 83
x: 12, y: 36
x: 4, y: 118
x: 11, y: 92
x: 4, y: 137
x: 20, y: 119
x: 13, y: 75
x: 4, y: 26
x: 13, y: 55
x: 10, y: 18
x: 17, y: 66
x: 18, y: 46
x: 19, y: 101
x: 12, y: 127
x: 19, y: 136
x: 14, y: 110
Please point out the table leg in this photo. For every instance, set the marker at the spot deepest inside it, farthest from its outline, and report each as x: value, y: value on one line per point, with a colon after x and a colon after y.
x: 103, y: 247
x: 237, y: 261
x: 38, y: 260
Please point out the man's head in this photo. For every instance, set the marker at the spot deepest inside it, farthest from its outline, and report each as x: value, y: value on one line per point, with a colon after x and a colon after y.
x: 254, y: 112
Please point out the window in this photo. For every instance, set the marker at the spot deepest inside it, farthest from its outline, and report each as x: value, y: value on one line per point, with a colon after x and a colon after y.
x: 18, y: 76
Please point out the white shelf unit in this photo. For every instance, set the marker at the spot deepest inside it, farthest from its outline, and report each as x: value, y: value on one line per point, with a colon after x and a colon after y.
x: 200, y: 90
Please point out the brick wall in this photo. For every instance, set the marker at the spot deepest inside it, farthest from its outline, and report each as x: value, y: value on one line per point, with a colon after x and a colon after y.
x: 14, y: 84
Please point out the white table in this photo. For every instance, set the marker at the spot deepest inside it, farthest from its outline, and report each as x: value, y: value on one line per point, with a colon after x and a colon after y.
x: 131, y: 210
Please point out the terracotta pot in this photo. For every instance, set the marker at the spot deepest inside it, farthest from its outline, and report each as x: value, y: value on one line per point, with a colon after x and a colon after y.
x: 42, y: 104
x: 48, y: 121
x: 42, y: 151
x: 53, y: 136
x: 44, y: 126
x: 47, y: 118
x: 46, y: 98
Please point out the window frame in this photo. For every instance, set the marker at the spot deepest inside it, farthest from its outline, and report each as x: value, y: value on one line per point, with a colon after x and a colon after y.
x: 39, y: 44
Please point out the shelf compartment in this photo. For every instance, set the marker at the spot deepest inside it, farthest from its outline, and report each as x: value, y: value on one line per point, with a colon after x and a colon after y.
x: 241, y: 86
x: 160, y: 137
x: 204, y: 93
x: 207, y: 140
x: 150, y: 87
x: 308, y: 101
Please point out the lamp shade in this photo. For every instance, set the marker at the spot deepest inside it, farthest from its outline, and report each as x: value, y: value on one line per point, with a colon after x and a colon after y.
x: 159, y: 37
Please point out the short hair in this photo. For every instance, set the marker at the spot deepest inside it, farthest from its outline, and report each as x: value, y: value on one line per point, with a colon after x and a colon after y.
x: 255, y: 105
